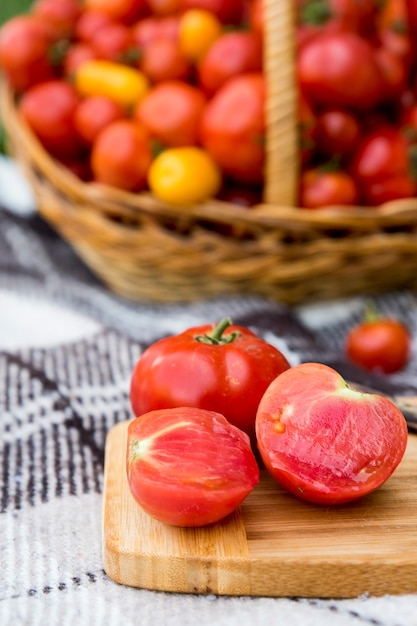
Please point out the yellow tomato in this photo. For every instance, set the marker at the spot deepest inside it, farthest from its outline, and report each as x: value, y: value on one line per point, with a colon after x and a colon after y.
x: 118, y: 82
x: 186, y: 175
x: 198, y: 30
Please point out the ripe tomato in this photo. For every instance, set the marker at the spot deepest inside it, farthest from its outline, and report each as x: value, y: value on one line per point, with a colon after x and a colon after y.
x: 121, y: 155
x: 117, y: 81
x: 75, y: 56
x: 126, y: 11
x: 228, y: 12
x: 325, y: 442
x: 197, y: 31
x: 231, y: 54
x: 379, y: 343
x: 49, y: 109
x: 223, y: 368
x: 320, y: 188
x: 152, y: 27
x: 95, y: 113
x: 164, y: 7
x: 187, y: 466
x: 235, y: 134
x: 90, y: 23
x: 162, y: 59
x: 340, y: 70
x: 172, y: 111
x: 186, y: 175
x: 394, y: 73
x: 338, y: 132
x: 115, y: 42
x: 256, y: 17
x: 62, y: 15
x: 25, y: 43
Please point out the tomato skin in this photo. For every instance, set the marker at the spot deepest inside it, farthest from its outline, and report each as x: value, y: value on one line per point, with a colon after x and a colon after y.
x: 229, y: 378
x: 121, y: 155
x: 149, y: 28
x: 163, y: 60
x: 231, y: 54
x: 235, y: 135
x: 382, y: 344
x: 172, y: 111
x: 24, y: 48
x: 189, y: 467
x: 126, y: 11
x: 320, y: 188
x: 62, y: 15
x: 197, y: 31
x: 49, y: 109
x: 325, y: 442
x: 114, y: 42
x: 76, y: 54
x: 89, y: 23
x: 338, y: 132
x: 340, y: 70
x: 95, y: 113
x: 228, y: 12
x: 125, y: 85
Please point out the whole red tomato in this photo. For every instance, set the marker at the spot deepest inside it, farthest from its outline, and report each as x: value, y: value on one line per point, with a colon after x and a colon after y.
x: 340, y: 70
x: 338, y: 132
x: 325, y: 442
x: 93, y: 114
x: 171, y: 112
x: 115, y: 42
x: 235, y: 134
x: 162, y: 59
x: 121, y: 155
x: 231, y: 54
x: 126, y: 11
x: 25, y: 43
x: 320, y: 188
x: 62, y: 15
x: 379, y: 343
x: 149, y: 28
x: 188, y: 466
x: 49, y: 109
x: 90, y: 23
x: 228, y: 12
x: 223, y: 368
x: 76, y: 54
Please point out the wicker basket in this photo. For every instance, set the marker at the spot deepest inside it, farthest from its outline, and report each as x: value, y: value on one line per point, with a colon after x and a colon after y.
x: 144, y: 249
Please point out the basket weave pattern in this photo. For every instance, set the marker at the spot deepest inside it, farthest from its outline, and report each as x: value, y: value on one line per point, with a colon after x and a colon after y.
x: 143, y: 248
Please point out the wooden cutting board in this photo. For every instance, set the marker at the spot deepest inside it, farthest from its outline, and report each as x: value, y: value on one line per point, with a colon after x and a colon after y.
x: 274, y: 545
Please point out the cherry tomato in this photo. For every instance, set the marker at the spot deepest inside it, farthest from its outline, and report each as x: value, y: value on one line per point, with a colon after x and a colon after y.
x: 320, y: 188
x: 165, y: 7
x: 235, y: 134
x: 392, y: 188
x: 90, y: 23
x: 75, y: 56
x: 325, y: 442
x: 115, y: 42
x: 231, y: 54
x: 62, y: 15
x: 162, y: 59
x: 186, y: 175
x: 25, y: 43
x: 228, y: 12
x: 49, y: 109
x: 117, y: 81
x: 95, y: 113
x: 187, y: 466
x: 152, y: 27
x: 198, y: 30
x: 379, y: 343
x: 340, y: 70
x: 126, y: 11
x: 121, y: 155
x: 223, y: 368
x: 172, y: 111
x: 338, y: 132
x: 394, y: 73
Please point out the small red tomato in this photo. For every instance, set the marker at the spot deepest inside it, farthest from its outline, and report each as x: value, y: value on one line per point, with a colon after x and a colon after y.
x: 49, y: 109
x: 338, y: 132
x: 223, y: 368
x: 62, y: 15
x: 89, y: 23
x: 379, y: 343
x: 75, y: 56
x: 152, y: 27
x: 325, y: 442
x: 163, y: 60
x: 320, y: 188
x: 95, y: 113
x: 189, y: 467
x: 164, y: 7
x: 115, y: 42
x: 172, y: 111
x: 231, y: 54
x: 126, y: 11
x: 121, y: 155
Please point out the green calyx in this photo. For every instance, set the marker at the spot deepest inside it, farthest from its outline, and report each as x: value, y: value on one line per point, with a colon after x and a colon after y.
x: 216, y: 337
x: 316, y: 12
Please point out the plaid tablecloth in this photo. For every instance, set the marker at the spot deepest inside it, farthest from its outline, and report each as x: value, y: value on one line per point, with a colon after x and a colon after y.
x: 67, y: 349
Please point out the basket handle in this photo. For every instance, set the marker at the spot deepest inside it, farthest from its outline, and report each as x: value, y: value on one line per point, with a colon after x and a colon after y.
x: 281, y: 158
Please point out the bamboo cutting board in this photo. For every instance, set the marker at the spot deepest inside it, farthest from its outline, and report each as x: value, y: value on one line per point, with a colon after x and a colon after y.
x: 274, y: 545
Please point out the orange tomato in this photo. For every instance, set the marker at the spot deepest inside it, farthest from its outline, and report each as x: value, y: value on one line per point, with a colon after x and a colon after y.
x: 198, y: 30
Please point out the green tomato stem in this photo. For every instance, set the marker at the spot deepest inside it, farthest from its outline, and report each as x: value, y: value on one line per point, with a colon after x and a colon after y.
x: 216, y: 337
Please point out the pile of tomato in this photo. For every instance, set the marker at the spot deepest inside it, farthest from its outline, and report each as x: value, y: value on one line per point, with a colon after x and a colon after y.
x: 170, y: 95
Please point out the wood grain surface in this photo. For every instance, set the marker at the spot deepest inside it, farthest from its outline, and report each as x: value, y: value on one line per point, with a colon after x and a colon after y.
x: 273, y: 545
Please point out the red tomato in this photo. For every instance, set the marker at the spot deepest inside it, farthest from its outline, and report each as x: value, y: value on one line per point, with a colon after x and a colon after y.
x: 256, y: 17
x: 62, y: 15
x: 325, y: 442
x: 231, y: 54
x: 387, y: 189
x: 235, y: 134
x: 127, y: 11
x: 393, y: 27
x: 394, y: 73
x: 163, y: 60
x: 164, y: 7
x: 89, y: 23
x: 340, y: 70
x: 171, y: 112
x: 121, y: 155
x: 220, y: 368
x: 95, y: 113
x: 149, y: 28
x: 115, y: 42
x: 189, y: 467
x: 338, y: 132
x: 24, y: 51
x: 228, y: 12
x: 49, y: 110
x: 320, y: 188
x: 75, y: 56
x: 379, y: 343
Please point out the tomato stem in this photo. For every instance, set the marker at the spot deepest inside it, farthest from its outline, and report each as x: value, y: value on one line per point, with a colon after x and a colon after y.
x: 370, y: 313
x: 216, y: 337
